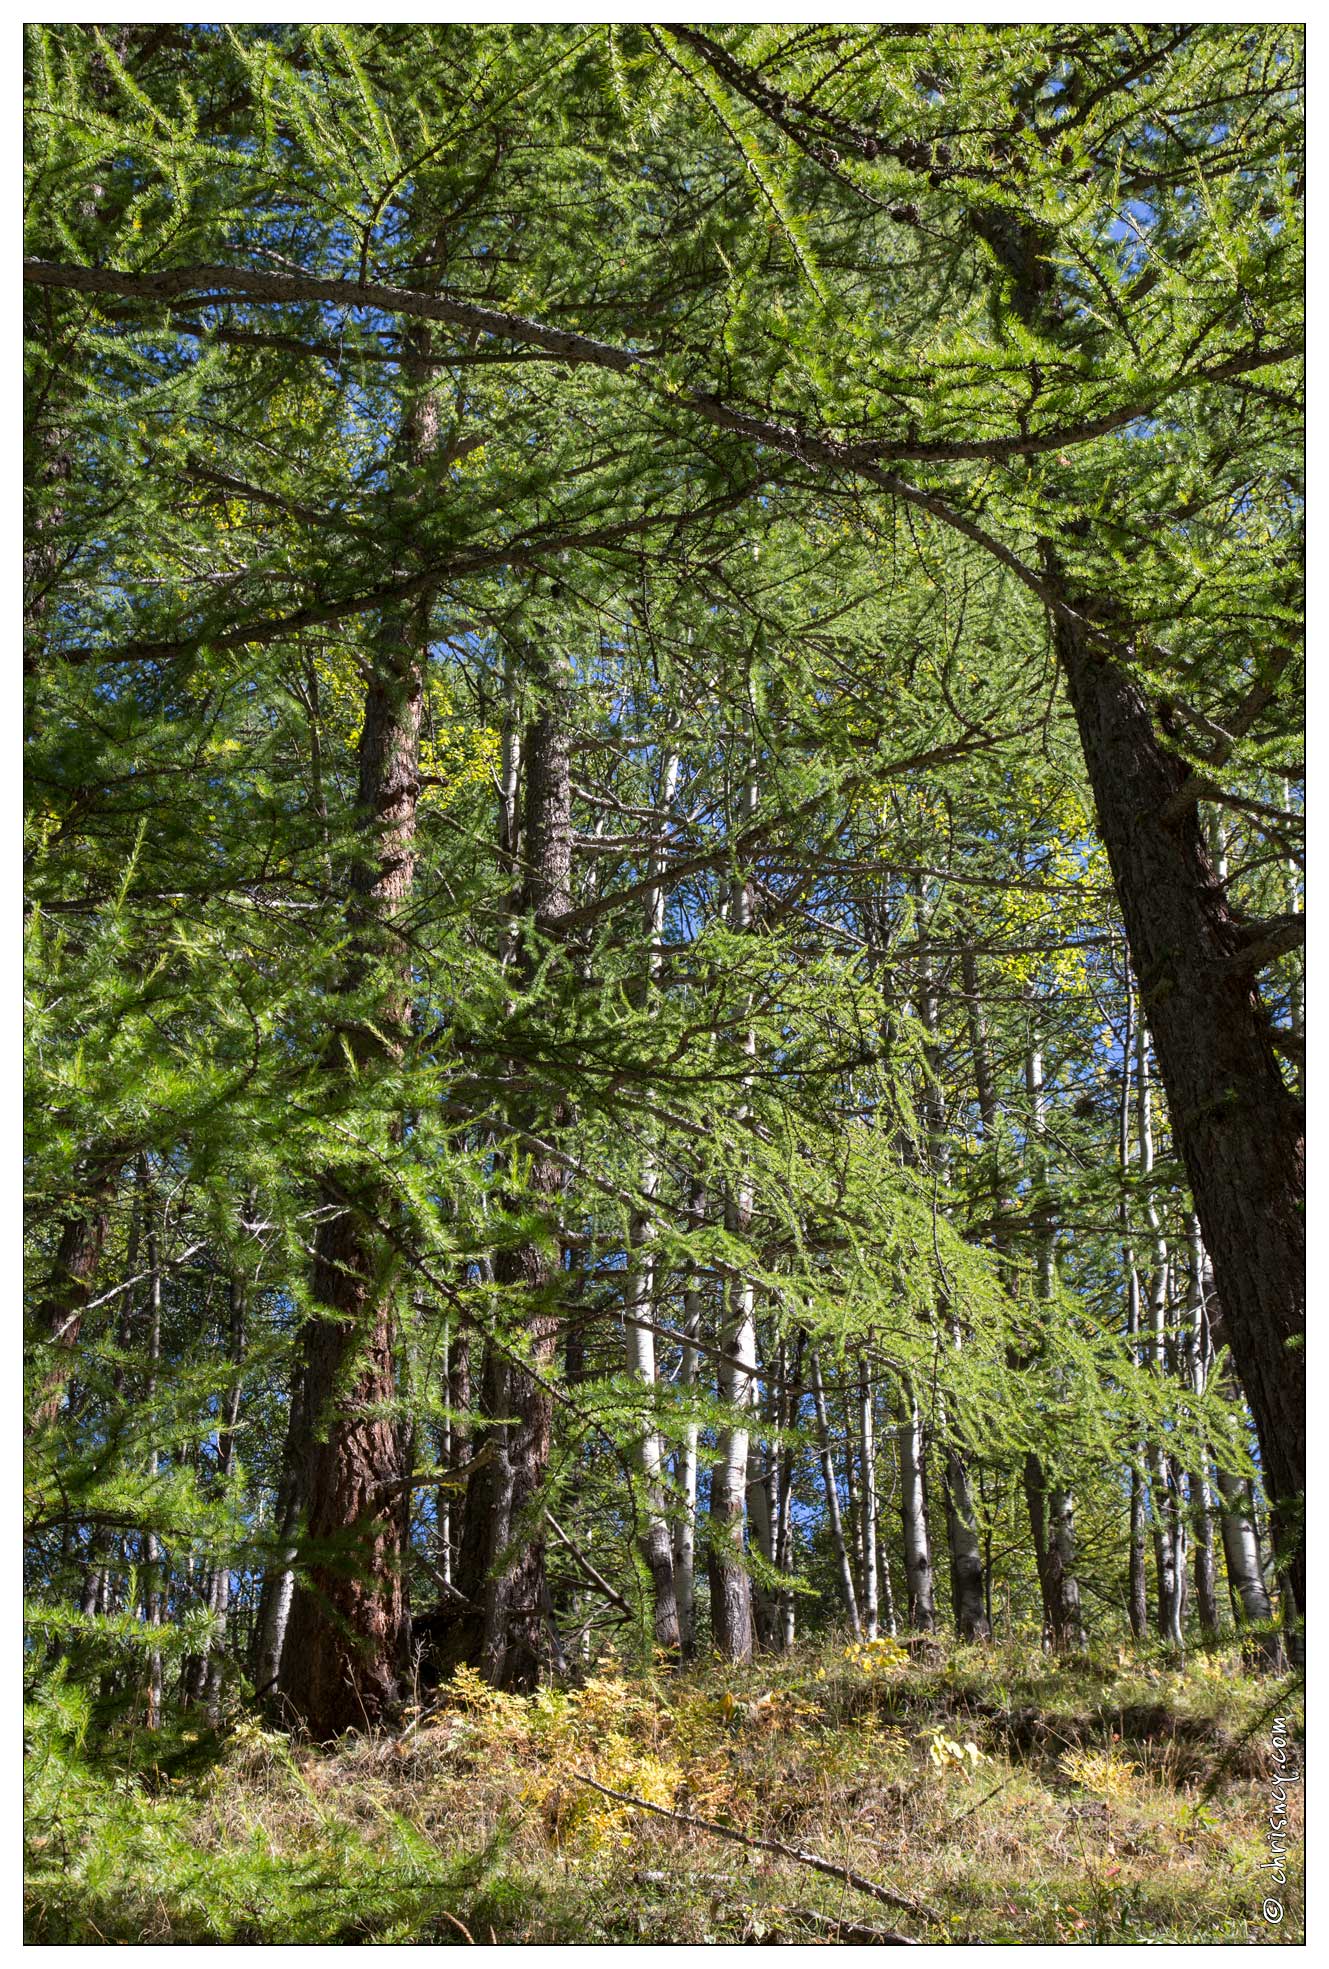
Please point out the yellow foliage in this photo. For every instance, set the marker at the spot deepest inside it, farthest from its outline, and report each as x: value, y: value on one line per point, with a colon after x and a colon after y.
x: 880, y: 1657
x: 961, y: 1759
x: 453, y: 751
x: 1101, y: 1771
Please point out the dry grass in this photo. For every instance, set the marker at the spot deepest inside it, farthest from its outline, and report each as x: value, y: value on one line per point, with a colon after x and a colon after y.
x: 1022, y: 1800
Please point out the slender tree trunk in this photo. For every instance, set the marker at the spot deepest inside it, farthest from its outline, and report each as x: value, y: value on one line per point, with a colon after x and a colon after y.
x: 1241, y: 1550
x: 1202, y: 1508
x: 789, y: 1411
x: 1165, y: 1501
x: 962, y: 1540
x: 685, y: 1534
x: 279, y: 1581
x: 155, y: 1596
x: 832, y: 1495
x: 1052, y: 1518
x: 867, y: 1440
x: 1137, y: 1590
x: 761, y: 1518
x: 656, y: 1545
x: 1051, y: 1505
x: 515, y: 1591
x: 221, y: 1590
x: 913, y: 1508
x: 731, y: 1587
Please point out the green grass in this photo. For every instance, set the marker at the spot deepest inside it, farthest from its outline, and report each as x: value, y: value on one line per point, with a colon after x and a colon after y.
x: 1102, y: 1800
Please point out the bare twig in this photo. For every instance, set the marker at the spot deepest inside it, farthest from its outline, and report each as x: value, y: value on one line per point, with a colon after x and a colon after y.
x: 597, y: 1578
x: 850, y: 1931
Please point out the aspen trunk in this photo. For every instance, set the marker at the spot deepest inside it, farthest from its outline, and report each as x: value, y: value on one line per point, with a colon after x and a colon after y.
x: 1241, y: 1551
x: 156, y: 1597
x: 1166, y: 1508
x: 685, y: 1534
x: 832, y: 1495
x: 867, y: 1439
x: 279, y: 1582
x: 656, y: 1545
x: 913, y: 1508
x: 1202, y: 1511
x: 731, y: 1587
x: 1051, y: 1505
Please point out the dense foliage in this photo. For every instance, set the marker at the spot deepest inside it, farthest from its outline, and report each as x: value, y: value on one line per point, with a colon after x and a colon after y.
x: 663, y: 860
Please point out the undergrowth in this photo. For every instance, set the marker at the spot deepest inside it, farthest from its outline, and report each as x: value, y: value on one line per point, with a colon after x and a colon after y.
x: 1017, y: 1798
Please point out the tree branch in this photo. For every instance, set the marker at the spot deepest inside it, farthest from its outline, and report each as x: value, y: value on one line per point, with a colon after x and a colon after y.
x: 886, y: 1895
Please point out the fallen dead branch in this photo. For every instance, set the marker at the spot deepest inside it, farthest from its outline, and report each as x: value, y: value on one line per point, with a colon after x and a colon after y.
x: 850, y: 1931
x: 887, y: 1895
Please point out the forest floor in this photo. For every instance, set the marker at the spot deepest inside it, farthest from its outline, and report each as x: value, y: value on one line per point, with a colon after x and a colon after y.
x: 1002, y: 1796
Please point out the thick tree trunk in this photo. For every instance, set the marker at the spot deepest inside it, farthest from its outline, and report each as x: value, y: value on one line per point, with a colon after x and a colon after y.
x: 968, y: 1595
x: 347, y: 1637
x: 1239, y: 1131
x: 345, y: 1643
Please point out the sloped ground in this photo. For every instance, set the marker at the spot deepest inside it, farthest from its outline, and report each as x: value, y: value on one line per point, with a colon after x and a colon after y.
x: 1007, y: 1797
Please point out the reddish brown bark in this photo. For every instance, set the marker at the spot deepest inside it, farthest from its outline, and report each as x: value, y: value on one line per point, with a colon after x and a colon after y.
x: 60, y: 1314
x: 347, y: 1639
